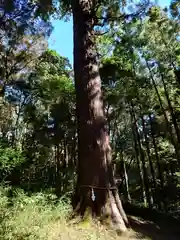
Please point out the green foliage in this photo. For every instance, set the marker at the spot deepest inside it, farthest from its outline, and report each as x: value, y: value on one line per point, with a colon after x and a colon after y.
x: 30, y: 217
x: 10, y: 159
x: 138, y: 80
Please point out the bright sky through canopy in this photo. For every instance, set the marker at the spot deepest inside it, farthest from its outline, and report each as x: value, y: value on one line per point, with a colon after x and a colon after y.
x: 61, y: 39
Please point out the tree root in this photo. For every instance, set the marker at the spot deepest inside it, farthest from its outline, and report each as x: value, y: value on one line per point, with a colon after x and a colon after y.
x: 110, y: 214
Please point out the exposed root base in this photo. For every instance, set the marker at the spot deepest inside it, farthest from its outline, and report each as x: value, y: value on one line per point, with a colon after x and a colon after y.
x: 107, y: 209
x: 107, y: 225
x: 110, y: 220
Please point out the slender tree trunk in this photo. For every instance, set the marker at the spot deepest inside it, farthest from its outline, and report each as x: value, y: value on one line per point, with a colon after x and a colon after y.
x: 142, y: 184
x: 142, y: 157
x: 156, y: 154
x: 161, y: 195
x: 176, y: 127
x: 96, y: 190
x: 169, y: 127
x: 114, y: 132
x: 126, y: 179
x: 58, y: 182
x: 149, y: 156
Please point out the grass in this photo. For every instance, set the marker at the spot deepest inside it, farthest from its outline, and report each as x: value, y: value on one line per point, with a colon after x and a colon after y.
x: 30, y: 217
x: 43, y: 216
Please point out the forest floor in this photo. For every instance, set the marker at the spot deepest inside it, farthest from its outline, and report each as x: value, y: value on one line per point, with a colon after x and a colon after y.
x: 41, y: 217
x: 140, y: 229
x: 159, y: 230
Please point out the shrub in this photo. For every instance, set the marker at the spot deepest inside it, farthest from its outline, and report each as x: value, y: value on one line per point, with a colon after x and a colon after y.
x: 10, y: 158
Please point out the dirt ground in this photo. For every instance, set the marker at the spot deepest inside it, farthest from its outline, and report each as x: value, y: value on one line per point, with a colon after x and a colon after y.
x: 140, y: 229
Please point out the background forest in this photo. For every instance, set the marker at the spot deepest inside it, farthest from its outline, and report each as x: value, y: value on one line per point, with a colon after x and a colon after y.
x: 139, y: 65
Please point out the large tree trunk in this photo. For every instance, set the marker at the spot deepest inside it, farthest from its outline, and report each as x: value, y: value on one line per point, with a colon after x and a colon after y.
x: 96, y: 190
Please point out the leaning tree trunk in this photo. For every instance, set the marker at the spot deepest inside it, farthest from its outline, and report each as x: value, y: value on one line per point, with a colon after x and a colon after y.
x: 96, y: 191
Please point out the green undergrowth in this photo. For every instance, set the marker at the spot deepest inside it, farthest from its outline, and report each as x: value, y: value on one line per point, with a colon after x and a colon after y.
x: 42, y: 215
x: 24, y: 216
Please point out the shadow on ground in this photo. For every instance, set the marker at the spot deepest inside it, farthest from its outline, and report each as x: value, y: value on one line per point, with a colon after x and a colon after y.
x: 155, y: 231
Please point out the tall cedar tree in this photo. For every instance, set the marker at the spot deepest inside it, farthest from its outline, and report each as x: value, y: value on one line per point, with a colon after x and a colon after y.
x: 96, y: 192
x: 95, y: 173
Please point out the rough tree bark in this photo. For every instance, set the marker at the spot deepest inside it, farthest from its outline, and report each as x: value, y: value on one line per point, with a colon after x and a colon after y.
x: 96, y: 190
